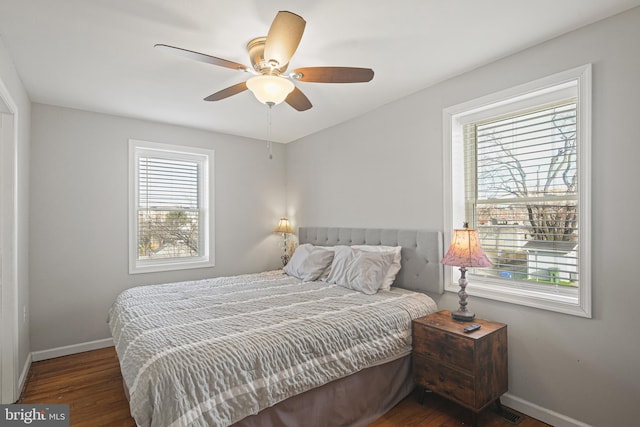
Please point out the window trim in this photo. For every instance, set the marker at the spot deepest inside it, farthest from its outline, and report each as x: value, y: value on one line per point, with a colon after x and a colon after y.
x: 508, y: 100
x: 206, y: 224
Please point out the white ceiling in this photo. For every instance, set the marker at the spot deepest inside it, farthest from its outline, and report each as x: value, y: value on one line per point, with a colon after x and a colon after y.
x: 98, y: 55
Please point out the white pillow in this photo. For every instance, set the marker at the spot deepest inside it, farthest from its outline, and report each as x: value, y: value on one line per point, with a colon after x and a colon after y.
x: 325, y: 273
x: 308, y: 262
x: 362, y: 271
x: 395, y: 266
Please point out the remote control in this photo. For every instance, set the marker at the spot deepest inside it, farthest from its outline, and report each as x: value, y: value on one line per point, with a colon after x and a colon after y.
x: 471, y: 328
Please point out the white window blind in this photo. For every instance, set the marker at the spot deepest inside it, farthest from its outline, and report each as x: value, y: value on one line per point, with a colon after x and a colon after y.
x: 169, y: 207
x: 170, y: 198
x: 522, y: 194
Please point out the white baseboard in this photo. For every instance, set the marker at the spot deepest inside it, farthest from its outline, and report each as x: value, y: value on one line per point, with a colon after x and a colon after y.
x: 539, y: 413
x: 22, y: 380
x: 37, y: 356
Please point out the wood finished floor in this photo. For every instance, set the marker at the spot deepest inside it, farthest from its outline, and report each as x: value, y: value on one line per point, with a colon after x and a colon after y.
x: 91, y: 384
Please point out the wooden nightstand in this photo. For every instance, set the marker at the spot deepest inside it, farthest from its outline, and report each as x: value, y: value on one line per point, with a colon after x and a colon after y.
x: 470, y: 369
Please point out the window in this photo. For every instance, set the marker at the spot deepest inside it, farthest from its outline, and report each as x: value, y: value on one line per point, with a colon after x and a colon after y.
x: 171, y: 207
x: 518, y: 169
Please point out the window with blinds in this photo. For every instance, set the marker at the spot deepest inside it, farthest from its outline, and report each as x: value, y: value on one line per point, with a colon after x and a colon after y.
x: 170, y: 215
x: 168, y: 208
x: 522, y: 193
x: 517, y: 167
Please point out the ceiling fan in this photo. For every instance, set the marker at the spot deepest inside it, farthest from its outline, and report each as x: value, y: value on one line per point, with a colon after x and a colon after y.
x: 270, y: 58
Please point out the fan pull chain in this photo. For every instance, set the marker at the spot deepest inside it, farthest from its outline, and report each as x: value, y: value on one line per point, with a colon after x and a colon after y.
x: 270, y: 105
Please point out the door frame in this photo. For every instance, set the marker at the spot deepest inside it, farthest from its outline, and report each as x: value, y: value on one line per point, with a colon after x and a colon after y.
x: 9, y: 339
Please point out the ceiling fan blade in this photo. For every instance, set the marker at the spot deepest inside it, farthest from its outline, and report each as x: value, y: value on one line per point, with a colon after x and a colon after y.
x: 197, y: 56
x: 333, y: 74
x: 283, y: 38
x: 225, y: 93
x: 298, y: 100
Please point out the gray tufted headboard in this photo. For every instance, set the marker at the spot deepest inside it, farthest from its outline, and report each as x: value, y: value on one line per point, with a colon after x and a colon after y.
x: 421, y: 251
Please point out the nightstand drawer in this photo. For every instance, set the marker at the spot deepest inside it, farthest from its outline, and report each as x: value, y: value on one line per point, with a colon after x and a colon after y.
x: 445, y: 381
x: 443, y: 346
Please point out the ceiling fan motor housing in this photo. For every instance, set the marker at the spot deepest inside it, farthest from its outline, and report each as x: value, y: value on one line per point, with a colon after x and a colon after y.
x: 256, y: 55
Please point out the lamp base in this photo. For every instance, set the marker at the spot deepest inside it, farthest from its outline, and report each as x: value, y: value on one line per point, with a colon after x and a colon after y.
x: 463, y: 316
x: 285, y: 250
x: 285, y: 259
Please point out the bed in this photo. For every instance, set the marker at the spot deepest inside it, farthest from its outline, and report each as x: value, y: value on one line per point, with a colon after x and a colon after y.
x: 268, y: 349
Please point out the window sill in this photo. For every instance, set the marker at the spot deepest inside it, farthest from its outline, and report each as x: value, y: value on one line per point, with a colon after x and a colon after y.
x: 561, y: 300
x: 159, y: 266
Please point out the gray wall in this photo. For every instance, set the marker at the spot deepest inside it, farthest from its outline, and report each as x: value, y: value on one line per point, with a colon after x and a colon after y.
x: 384, y: 169
x: 79, y: 260
x: 13, y: 84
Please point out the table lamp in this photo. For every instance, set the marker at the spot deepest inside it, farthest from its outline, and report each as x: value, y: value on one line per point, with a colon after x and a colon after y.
x: 465, y: 251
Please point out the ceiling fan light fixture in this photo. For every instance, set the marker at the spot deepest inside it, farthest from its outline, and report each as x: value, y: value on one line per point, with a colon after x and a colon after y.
x: 270, y: 89
x: 270, y: 58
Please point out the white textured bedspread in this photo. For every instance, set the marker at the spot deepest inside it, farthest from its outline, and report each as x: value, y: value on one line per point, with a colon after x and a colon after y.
x: 211, y: 352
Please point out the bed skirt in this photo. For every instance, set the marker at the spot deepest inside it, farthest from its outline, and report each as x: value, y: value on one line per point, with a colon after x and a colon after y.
x: 356, y: 400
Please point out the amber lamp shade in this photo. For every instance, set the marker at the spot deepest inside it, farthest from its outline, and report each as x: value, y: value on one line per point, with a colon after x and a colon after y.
x: 283, y: 226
